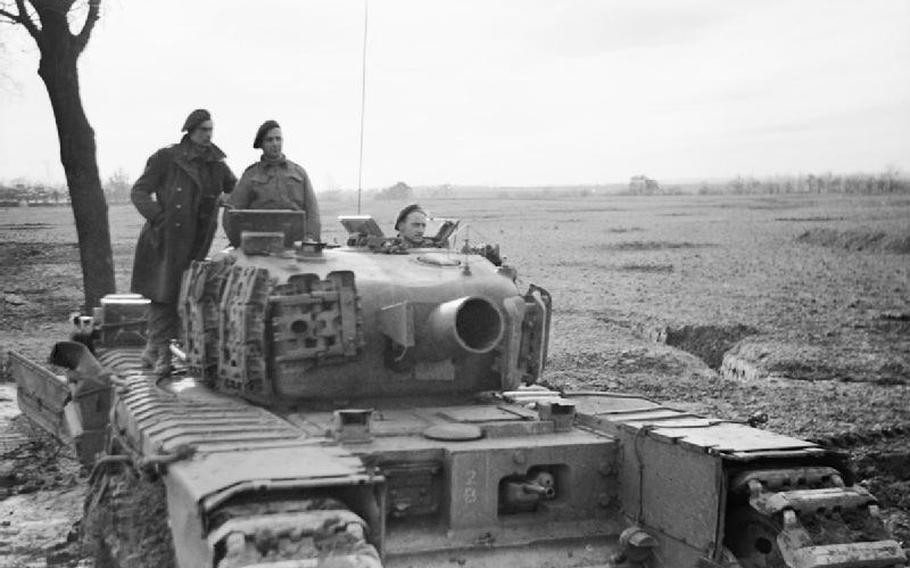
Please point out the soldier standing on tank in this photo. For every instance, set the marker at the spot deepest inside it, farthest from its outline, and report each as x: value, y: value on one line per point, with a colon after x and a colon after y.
x: 186, y: 180
x: 275, y: 182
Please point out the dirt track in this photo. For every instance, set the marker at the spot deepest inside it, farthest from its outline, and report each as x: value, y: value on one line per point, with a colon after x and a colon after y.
x: 811, y: 294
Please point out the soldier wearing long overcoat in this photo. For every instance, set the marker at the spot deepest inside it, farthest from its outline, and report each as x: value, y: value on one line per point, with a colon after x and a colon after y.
x: 186, y: 180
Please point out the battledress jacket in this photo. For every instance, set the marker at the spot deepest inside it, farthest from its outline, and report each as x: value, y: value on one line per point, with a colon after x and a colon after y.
x: 181, y: 219
x: 278, y: 184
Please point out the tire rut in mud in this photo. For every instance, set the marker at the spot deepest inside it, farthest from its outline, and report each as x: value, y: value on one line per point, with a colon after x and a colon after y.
x: 33, y: 460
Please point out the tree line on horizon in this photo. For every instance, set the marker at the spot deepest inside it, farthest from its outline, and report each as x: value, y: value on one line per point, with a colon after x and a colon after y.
x: 117, y: 188
x: 888, y: 181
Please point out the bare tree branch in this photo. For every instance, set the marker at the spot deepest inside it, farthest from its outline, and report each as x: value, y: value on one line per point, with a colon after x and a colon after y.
x: 10, y: 16
x: 26, y: 21
x: 90, y: 19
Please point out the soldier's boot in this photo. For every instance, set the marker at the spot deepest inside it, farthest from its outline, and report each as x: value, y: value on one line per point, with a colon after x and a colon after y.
x: 163, y: 364
x: 149, y: 355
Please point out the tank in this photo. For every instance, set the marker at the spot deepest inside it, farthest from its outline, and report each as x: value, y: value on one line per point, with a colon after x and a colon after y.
x: 373, y: 405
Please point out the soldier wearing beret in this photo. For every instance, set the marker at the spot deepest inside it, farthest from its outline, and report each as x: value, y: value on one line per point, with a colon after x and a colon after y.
x: 275, y: 182
x: 186, y: 180
x: 411, y: 223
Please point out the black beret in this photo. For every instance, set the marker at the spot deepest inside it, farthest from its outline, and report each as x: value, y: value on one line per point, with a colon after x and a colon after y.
x: 407, y: 211
x: 196, y: 118
x: 263, y: 130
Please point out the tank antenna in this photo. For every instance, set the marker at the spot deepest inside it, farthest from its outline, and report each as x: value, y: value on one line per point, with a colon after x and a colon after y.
x: 363, y: 102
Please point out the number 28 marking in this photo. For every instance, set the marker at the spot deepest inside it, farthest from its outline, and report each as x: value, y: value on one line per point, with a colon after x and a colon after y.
x: 470, y: 487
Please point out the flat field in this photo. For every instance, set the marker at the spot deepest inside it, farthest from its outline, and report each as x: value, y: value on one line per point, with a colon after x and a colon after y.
x: 797, y: 307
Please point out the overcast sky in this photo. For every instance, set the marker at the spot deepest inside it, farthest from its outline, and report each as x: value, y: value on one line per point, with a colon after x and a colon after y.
x: 498, y: 92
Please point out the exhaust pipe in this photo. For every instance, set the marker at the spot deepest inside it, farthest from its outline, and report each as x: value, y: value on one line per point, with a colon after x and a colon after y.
x: 468, y: 325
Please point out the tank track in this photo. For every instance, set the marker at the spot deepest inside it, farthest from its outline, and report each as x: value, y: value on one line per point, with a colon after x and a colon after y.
x: 788, y: 505
x: 233, y: 316
x: 125, y: 521
x: 199, y: 312
x: 126, y: 512
x: 339, y: 539
x: 125, y: 526
x: 242, y: 369
x: 804, y: 517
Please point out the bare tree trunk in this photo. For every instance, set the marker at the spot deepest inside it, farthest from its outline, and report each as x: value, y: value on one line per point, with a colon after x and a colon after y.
x: 59, y: 54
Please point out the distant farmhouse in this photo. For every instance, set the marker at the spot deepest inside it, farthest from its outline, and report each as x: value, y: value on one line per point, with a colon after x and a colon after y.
x: 643, y: 185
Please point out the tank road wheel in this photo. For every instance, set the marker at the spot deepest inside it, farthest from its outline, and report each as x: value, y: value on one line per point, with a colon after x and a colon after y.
x: 125, y: 521
x: 752, y: 538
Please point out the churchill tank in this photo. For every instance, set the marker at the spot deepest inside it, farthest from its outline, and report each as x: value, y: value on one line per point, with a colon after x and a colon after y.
x: 376, y: 404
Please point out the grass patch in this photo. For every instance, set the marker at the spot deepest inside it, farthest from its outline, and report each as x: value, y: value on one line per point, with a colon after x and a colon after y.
x: 20, y: 253
x: 809, y: 219
x: 603, y: 209
x: 24, y: 226
x: 569, y: 263
x: 649, y: 245
x: 658, y: 268
x: 860, y: 240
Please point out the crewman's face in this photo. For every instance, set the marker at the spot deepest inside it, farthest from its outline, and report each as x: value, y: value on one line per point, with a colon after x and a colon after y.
x: 413, y: 226
x: 271, y: 143
x: 202, y: 134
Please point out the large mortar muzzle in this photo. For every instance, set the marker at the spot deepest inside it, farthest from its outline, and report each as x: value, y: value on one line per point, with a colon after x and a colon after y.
x: 469, y: 325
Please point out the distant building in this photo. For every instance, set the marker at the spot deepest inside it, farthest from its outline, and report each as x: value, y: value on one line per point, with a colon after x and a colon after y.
x: 23, y: 195
x: 398, y: 191
x: 643, y: 185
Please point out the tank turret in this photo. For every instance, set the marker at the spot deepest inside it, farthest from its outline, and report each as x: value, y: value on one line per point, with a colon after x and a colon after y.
x: 280, y: 324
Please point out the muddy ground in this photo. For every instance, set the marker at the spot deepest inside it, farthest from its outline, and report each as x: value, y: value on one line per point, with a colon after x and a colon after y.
x: 797, y: 307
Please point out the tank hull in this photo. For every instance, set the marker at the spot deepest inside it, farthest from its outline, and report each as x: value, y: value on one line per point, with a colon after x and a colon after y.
x: 624, y: 461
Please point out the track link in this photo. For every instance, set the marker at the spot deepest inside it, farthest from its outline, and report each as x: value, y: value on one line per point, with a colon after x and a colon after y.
x: 805, y: 517
x: 300, y: 533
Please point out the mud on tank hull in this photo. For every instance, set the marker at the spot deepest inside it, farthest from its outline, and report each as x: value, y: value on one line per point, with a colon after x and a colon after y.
x: 340, y: 409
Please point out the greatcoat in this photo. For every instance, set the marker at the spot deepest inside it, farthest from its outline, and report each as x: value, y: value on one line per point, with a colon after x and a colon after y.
x: 186, y: 182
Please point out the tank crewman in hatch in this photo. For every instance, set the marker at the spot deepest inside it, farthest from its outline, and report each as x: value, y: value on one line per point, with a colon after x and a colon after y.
x: 274, y: 182
x: 411, y: 224
x: 186, y: 180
